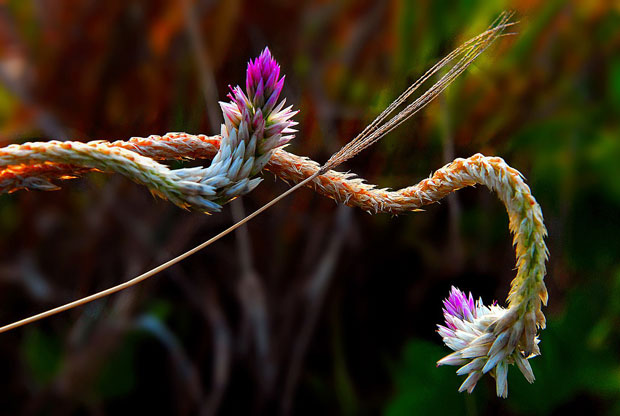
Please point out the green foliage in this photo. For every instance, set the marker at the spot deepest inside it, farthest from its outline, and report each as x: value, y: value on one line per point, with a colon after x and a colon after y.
x: 422, y: 388
x: 614, y: 83
x: 574, y: 361
x: 42, y: 354
x: 118, y: 377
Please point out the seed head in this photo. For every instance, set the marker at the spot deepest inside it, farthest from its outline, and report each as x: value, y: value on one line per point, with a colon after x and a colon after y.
x: 470, y: 330
x: 255, y: 115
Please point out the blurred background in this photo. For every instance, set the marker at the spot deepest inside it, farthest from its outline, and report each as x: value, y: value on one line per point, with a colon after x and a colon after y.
x: 313, y: 307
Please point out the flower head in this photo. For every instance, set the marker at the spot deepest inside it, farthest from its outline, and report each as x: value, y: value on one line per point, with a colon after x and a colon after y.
x: 255, y: 114
x: 485, y: 339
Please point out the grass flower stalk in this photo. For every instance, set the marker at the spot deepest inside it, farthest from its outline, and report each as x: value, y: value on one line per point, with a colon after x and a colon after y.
x: 485, y: 339
x: 254, y: 125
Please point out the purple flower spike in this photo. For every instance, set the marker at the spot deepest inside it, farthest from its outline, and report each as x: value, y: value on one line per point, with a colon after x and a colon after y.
x: 261, y: 79
x: 470, y: 331
x: 459, y: 305
x: 266, y: 123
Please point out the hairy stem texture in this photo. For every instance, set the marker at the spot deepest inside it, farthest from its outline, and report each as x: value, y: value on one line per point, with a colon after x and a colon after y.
x: 33, y: 165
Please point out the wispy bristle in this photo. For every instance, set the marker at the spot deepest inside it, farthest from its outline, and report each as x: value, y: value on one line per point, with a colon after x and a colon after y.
x: 468, y: 52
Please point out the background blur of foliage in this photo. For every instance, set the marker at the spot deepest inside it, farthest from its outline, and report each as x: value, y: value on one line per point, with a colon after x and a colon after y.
x: 315, y: 308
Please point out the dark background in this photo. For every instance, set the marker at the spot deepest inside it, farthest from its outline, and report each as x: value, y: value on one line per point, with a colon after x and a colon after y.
x: 315, y: 308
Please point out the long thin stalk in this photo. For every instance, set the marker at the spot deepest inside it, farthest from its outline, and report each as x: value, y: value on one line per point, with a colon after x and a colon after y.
x: 375, y: 131
x: 155, y: 270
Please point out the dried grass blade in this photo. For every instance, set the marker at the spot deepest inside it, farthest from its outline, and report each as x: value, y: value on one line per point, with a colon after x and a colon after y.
x: 377, y: 129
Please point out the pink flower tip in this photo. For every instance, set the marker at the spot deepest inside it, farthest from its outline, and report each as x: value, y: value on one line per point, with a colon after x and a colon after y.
x: 459, y: 305
x: 263, y: 79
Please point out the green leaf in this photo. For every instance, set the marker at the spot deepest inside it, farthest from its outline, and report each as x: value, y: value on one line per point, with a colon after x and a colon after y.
x: 42, y: 354
x: 424, y: 389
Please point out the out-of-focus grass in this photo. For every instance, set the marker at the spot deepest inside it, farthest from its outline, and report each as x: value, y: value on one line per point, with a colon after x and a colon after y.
x: 546, y: 100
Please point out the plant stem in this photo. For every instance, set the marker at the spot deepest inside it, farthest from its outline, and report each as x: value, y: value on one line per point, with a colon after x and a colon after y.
x: 157, y: 269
